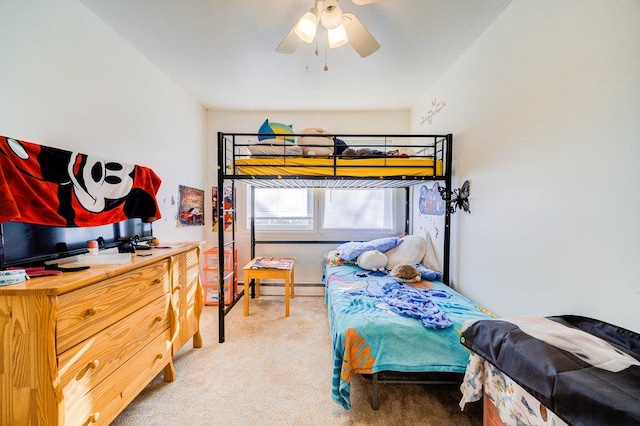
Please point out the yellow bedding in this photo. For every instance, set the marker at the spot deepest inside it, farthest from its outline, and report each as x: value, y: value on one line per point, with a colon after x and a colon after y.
x: 314, y: 166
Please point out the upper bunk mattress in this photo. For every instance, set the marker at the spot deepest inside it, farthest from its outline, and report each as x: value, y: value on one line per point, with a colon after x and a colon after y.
x: 340, y: 167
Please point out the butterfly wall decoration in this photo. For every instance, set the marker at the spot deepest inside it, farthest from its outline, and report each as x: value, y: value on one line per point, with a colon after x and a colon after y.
x: 458, y: 198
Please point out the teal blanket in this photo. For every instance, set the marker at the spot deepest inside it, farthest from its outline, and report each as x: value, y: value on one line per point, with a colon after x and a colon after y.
x: 371, y: 335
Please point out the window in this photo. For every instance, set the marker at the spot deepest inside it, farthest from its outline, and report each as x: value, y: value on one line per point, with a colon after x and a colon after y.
x: 332, y: 213
x: 281, y: 208
x: 367, y: 209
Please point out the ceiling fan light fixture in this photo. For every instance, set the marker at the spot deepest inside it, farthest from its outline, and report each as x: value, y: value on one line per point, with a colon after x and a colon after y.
x: 331, y: 16
x: 342, y: 28
x: 306, y: 27
x: 337, y: 36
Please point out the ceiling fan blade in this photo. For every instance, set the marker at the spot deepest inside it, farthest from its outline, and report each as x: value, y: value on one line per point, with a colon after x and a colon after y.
x: 359, y: 37
x: 290, y: 42
x: 362, y: 2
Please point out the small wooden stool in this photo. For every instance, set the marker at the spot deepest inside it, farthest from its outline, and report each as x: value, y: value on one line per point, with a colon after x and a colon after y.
x: 278, y: 271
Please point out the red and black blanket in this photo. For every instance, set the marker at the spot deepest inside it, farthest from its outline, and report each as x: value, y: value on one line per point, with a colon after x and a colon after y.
x: 51, y: 186
x: 585, y: 370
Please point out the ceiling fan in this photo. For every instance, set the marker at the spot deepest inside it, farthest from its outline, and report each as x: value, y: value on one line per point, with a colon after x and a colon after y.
x: 341, y: 28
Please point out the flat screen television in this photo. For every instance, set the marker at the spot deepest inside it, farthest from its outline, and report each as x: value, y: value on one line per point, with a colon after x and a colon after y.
x: 23, y: 244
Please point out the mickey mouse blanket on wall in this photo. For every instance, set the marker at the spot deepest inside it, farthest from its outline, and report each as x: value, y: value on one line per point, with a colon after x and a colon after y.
x: 51, y: 186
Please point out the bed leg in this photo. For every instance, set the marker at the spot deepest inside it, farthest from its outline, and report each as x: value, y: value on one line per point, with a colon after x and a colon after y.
x: 374, y: 391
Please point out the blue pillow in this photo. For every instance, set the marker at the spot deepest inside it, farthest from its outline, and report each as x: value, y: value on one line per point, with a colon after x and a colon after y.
x: 353, y: 249
x: 428, y: 274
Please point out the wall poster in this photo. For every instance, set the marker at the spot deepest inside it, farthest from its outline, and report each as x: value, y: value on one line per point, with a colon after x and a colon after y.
x: 431, y: 202
x: 214, y: 208
x: 191, y: 208
x: 227, y: 206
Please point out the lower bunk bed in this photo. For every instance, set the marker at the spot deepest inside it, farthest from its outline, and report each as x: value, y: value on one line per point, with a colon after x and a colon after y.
x: 553, y: 371
x: 397, y: 332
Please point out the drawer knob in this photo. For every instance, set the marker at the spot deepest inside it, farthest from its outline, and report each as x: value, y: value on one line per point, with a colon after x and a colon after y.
x: 94, y: 417
x: 90, y: 312
x: 94, y: 364
x: 157, y: 281
x: 158, y: 318
x: 159, y: 356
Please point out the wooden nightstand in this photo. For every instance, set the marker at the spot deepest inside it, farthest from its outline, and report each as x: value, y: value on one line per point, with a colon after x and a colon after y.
x: 270, y: 267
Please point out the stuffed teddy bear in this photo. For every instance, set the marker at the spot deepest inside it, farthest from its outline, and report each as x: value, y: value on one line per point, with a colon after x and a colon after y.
x: 406, y: 273
x: 373, y: 260
x: 315, y: 143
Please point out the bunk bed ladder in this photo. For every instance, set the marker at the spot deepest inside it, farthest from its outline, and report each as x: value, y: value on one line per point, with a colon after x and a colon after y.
x: 223, y: 309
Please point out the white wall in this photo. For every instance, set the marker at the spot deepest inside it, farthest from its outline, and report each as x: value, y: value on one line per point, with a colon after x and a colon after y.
x: 308, y: 268
x: 545, y: 112
x: 69, y: 81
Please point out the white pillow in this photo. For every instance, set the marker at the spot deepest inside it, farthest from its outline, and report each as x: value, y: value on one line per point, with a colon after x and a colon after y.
x: 313, y: 145
x: 275, y: 147
x: 411, y: 250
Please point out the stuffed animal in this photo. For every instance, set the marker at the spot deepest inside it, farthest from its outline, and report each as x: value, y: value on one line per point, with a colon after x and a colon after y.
x: 349, y: 152
x: 316, y: 144
x: 402, y: 152
x: 406, y: 152
x: 361, y: 153
x: 373, y: 260
x: 406, y: 272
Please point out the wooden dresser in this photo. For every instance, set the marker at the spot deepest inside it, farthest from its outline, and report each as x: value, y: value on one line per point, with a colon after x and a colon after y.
x: 78, y: 348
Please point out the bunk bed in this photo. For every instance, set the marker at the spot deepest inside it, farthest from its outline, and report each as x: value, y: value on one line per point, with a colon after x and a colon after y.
x: 375, y: 161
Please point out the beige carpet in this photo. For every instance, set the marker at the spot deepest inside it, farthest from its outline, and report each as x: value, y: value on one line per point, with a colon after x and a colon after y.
x: 274, y: 370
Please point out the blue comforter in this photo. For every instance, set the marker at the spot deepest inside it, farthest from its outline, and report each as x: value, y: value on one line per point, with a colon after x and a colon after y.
x: 372, y: 333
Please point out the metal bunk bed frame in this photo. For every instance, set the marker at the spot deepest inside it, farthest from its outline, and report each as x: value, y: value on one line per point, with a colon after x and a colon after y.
x: 227, y: 153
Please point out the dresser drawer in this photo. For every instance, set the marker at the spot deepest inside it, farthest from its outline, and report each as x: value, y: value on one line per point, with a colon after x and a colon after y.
x: 103, y: 403
x: 84, y: 312
x: 85, y: 365
x: 491, y: 416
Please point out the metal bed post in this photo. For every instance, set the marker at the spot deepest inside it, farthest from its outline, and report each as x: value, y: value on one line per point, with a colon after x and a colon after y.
x: 220, y: 212
x: 447, y: 218
x: 407, y: 209
x: 253, y: 235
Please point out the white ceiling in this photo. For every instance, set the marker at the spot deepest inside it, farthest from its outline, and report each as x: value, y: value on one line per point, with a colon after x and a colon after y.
x: 222, y: 52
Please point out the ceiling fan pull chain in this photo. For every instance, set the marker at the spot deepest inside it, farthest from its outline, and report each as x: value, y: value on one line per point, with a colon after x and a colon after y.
x: 326, y: 67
